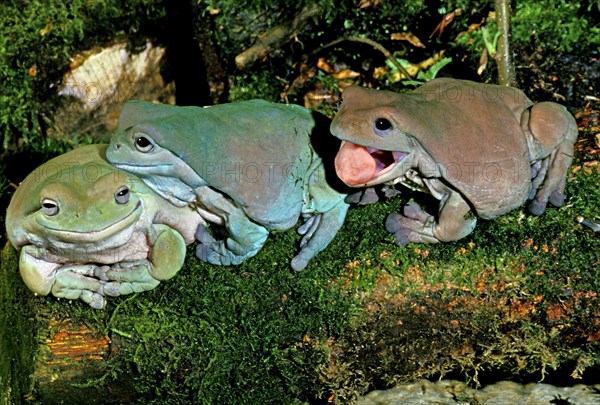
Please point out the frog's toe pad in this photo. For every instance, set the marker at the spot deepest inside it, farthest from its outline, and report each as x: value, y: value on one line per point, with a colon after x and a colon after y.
x: 299, y: 263
x: 557, y: 199
x: 402, y: 237
x: 393, y: 222
x: 93, y: 299
x: 211, y: 253
x: 412, y: 210
x: 536, y: 208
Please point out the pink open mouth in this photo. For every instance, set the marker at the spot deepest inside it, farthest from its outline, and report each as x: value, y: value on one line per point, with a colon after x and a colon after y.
x: 357, y: 164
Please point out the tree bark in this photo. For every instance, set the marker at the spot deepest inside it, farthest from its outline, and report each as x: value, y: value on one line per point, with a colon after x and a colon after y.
x: 506, y: 69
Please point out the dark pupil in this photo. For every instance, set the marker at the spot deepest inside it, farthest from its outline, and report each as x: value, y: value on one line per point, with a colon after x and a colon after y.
x: 123, y: 192
x: 48, y: 205
x: 142, y: 142
x: 383, y: 124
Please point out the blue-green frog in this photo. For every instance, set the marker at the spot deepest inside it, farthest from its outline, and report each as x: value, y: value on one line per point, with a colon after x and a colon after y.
x: 87, y: 230
x: 248, y: 167
x: 481, y: 150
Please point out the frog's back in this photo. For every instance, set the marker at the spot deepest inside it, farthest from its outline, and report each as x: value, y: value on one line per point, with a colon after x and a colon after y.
x: 474, y: 133
x: 256, y: 152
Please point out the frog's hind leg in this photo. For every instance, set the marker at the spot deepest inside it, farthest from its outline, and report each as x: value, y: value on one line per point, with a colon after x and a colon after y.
x: 553, y: 133
x: 548, y: 186
x: 245, y: 239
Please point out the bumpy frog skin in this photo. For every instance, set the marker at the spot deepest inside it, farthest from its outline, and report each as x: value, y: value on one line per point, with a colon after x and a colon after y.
x: 87, y: 230
x: 248, y: 166
x: 481, y: 150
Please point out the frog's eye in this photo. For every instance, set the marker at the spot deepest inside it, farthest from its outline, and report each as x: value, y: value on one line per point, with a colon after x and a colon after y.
x: 49, y: 207
x: 383, y: 126
x: 122, y: 195
x: 339, y: 103
x: 143, y: 144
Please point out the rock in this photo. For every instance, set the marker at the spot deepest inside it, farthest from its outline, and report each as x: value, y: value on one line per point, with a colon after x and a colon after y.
x: 442, y: 392
x: 100, y: 81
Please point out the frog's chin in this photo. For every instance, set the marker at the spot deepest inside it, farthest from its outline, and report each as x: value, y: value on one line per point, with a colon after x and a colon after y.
x: 80, y: 236
x: 362, y: 166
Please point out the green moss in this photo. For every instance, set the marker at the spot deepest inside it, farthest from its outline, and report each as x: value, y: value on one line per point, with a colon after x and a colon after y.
x: 57, y: 30
x: 228, y: 334
x: 539, y: 19
x: 18, y: 332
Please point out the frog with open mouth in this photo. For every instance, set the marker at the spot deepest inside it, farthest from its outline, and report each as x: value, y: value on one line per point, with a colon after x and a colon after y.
x: 481, y: 150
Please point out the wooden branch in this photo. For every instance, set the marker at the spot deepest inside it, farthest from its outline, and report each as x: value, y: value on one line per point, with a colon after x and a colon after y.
x: 384, y: 51
x: 506, y: 69
x: 375, y: 45
x: 276, y: 37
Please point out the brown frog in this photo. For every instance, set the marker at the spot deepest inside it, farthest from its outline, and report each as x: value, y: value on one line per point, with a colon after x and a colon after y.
x: 481, y: 150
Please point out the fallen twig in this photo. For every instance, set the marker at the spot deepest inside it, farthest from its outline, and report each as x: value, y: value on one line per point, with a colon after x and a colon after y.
x: 592, y: 225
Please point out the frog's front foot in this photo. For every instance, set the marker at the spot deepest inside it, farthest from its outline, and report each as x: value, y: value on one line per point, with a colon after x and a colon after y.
x: 126, y: 278
x: 307, y: 230
x: 79, y: 282
x: 317, y: 232
x: 363, y: 197
x: 414, y: 225
x: 91, y: 283
x: 229, y: 251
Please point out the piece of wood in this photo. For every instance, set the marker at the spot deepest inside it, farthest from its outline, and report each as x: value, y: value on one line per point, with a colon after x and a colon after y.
x: 276, y: 37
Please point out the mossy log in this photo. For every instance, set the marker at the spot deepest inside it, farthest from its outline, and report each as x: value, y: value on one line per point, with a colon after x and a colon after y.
x: 253, y: 334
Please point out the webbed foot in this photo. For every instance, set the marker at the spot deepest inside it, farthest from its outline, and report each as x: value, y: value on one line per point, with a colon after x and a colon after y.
x: 414, y: 225
x: 455, y: 221
x: 229, y: 251
x: 78, y: 282
x: 127, y: 278
x: 318, y: 231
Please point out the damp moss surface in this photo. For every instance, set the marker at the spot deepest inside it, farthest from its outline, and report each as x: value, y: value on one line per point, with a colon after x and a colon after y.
x: 517, y: 297
x: 18, y: 332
